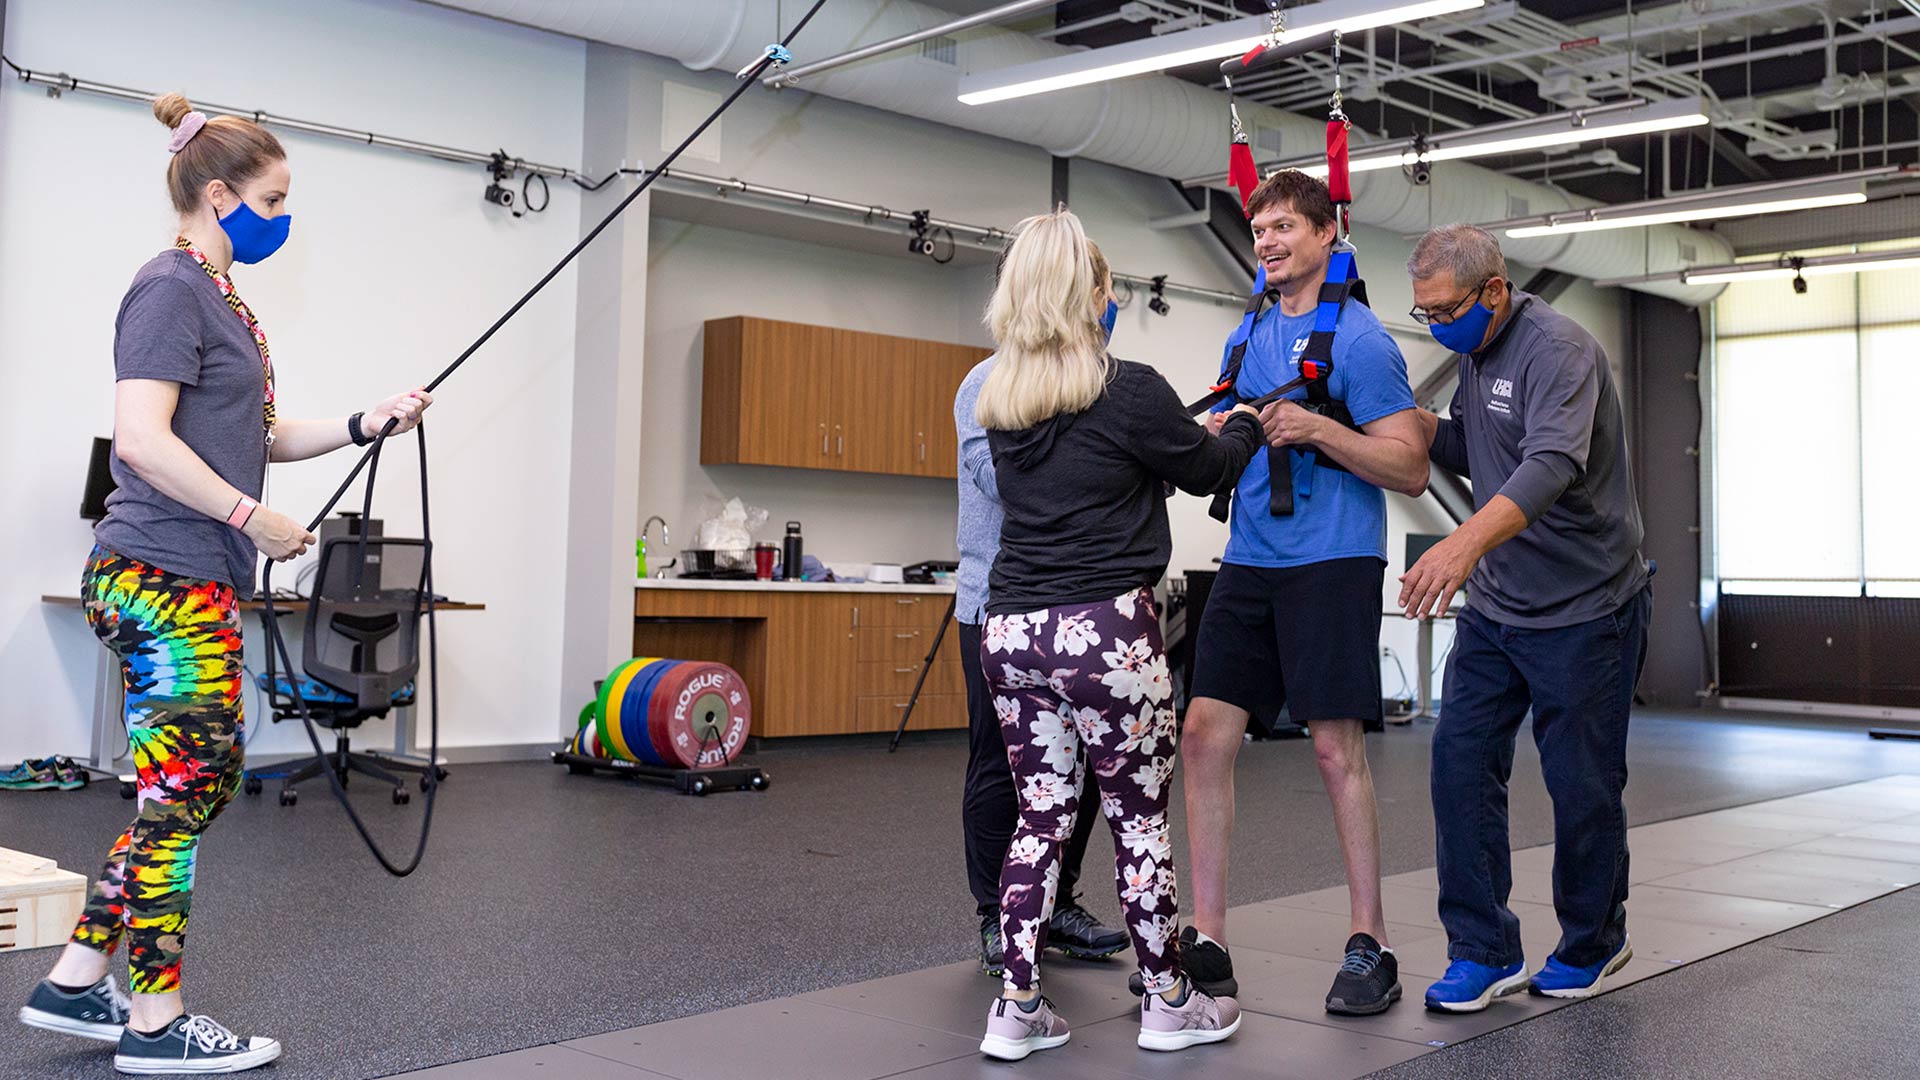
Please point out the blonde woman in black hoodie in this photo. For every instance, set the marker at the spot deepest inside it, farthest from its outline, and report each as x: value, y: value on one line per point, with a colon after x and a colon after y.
x: 1084, y: 447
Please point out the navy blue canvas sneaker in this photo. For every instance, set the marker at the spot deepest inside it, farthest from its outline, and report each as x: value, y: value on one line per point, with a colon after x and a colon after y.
x: 98, y: 1012
x: 192, y: 1044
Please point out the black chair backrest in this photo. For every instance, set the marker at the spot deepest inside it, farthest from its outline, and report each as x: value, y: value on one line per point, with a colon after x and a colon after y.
x: 363, y: 623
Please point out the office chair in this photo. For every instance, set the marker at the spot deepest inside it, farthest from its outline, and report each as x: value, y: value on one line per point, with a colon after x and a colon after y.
x: 359, y: 657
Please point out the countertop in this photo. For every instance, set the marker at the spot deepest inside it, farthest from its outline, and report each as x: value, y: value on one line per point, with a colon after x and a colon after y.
x: 788, y: 586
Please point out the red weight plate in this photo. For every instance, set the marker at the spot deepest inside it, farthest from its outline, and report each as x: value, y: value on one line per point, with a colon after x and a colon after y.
x: 700, y: 715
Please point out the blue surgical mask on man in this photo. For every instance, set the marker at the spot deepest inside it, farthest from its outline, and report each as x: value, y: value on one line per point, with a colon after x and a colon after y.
x: 252, y: 236
x: 1465, y: 333
x: 1110, y: 318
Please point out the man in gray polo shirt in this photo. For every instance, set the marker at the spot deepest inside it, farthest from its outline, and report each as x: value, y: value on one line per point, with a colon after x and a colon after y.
x: 1555, y: 622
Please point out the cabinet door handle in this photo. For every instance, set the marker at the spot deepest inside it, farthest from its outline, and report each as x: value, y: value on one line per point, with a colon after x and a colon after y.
x: 823, y: 439
x: 856, y: 620
x: 907, y: 600
x: 922, y: 436
x: 907, y: 637
x: 904, y: 670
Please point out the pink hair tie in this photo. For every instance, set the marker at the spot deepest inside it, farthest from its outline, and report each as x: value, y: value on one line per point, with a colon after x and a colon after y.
x: 190, y: 126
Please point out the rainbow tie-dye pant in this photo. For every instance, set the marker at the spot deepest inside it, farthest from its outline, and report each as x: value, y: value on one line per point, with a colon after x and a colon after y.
x: 178, y: 640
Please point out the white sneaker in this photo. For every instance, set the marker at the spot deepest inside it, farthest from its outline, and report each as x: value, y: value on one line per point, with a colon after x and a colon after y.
x: 1013, y: 1032
x: 192, y: 1044
x: 1199, y: 1019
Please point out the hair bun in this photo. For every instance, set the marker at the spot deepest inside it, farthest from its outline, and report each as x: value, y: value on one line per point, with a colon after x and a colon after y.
x: 170, y: 109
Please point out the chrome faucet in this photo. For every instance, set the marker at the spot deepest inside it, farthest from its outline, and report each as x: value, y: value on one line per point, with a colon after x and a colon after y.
x: 666, y: 539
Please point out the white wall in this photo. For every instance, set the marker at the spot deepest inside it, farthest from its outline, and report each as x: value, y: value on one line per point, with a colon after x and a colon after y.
x: 394, y: 265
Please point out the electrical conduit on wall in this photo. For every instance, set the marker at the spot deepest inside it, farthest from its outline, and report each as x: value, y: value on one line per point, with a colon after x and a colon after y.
x: 1153, y: 124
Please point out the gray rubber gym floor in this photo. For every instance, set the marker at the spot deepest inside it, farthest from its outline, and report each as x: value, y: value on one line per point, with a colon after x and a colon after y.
x: 554, y: 908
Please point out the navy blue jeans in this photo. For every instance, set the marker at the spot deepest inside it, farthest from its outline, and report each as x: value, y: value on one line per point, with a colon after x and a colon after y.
x: 1578, y: 681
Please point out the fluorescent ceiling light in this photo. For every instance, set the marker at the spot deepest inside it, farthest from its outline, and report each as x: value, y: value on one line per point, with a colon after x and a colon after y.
x: 1774, y: 202
x: 1563, y: 130
x: 1865, y: 262
x: 1216, y: 42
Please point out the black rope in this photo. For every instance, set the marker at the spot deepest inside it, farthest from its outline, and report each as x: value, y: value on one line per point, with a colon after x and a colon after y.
x: 369, y: 462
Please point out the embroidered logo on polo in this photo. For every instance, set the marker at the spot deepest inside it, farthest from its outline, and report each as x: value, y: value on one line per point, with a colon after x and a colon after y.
x: 1502, y: 399
x: 240, y: 308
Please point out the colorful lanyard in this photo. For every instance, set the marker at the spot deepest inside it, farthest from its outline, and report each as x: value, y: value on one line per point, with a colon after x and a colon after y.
x: 241, y: 309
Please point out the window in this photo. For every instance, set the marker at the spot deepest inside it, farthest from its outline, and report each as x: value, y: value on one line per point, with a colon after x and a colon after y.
x: 1814, y: 453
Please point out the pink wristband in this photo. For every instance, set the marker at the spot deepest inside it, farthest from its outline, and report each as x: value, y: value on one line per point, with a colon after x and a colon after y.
x: 242, y: 512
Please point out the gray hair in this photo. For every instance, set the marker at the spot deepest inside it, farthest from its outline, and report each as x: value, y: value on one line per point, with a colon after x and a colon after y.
x: 1469, y: 251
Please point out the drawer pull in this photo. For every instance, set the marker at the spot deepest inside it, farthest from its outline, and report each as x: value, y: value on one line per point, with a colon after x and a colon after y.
x: 906, y: 637
x: 904, y: 670
x: 907, y: 600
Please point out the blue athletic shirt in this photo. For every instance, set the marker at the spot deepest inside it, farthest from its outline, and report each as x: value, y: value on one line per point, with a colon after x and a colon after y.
x: 1336, y: 515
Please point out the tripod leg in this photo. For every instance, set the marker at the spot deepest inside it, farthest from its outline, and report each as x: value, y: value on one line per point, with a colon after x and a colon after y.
x: 925, y: 667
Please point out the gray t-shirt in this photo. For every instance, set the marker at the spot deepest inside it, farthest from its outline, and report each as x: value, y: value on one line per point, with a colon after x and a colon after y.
x: 1537, y: 419
x: 176, y: 327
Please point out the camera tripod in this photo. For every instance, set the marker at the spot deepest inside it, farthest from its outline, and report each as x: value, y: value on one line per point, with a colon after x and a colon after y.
x: 926, y: 666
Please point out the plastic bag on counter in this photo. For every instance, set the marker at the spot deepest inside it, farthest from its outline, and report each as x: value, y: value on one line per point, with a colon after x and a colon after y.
x: 729, y: 525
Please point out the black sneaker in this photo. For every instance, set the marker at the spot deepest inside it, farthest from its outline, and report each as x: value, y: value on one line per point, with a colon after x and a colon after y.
x: 993, y: 947
x: 1206, y: 963
x: 1077, y: 933
x: 192, y: 1044
x: 98, y: 1012
x: 1368, y: 982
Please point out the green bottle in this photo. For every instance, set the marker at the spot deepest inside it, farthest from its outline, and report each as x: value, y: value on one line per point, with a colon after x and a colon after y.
x: 640, y: 558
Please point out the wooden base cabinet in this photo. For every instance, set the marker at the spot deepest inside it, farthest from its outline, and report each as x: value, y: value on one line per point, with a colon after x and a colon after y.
x: 824, y: 663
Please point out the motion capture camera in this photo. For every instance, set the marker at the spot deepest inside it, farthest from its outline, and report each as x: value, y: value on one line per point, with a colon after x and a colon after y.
x: 920, y: 243
x: 1157, y: 302
x: 1799, y: 285
x: 501, y: 168
x: 1420, y: 172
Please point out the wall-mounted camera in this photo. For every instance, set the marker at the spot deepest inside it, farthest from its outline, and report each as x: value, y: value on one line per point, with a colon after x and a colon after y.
x: 1157, y: 298
x: 1420, y: 172
x: 922, y: 240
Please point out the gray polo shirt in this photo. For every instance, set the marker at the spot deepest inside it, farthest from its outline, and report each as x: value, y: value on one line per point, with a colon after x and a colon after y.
x: 175, y: 326
x: 1537, y: 419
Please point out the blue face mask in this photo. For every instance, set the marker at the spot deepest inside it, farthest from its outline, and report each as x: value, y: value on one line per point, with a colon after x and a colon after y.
x: 1112, y: 316
x: 254, y: 237
x: 1464, y: 334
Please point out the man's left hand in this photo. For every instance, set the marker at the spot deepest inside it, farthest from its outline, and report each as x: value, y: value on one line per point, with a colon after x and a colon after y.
x: 405, y: 408
x: 1288, y: 424
x: 1427, y: 588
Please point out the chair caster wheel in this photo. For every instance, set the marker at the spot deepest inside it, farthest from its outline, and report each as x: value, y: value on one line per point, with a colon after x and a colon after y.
x: 699, y: 787
x: 127, y: 790
x: 426, y: 782
x: 758, y: 783
x: 401, y: 796
x: 439, y: 773
x: 252, y: 785
x: 289, y: 797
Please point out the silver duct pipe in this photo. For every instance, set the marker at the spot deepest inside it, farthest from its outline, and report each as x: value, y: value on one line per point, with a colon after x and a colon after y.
x: 1153, y: 124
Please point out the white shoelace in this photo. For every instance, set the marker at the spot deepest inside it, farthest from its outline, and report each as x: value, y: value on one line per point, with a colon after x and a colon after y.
x: 210, y: 1036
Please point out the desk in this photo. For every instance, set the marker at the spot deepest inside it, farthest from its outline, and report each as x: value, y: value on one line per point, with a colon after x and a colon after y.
x: 109, y: 692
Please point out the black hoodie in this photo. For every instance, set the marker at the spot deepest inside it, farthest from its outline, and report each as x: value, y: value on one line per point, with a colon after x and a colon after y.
x: 1085, y: 494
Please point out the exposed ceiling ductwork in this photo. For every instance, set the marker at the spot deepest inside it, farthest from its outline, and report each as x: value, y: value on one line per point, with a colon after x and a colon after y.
x: 1155, y: 124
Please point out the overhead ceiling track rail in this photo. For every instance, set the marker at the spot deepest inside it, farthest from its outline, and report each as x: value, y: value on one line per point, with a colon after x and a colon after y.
x: 987, y: 237
x: 58, y: 83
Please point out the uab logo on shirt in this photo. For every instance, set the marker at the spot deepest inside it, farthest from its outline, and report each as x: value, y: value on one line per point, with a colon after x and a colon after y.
x: 1502, y: 399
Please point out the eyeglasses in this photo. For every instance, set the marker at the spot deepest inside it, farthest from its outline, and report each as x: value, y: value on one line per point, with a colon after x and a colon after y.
x: 1446, y: 315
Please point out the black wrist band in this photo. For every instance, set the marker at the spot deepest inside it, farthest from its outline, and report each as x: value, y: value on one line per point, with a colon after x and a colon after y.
x: 360, y: 438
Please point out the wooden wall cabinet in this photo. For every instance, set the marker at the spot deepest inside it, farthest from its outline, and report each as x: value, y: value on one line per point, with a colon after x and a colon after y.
x: 814, y: 397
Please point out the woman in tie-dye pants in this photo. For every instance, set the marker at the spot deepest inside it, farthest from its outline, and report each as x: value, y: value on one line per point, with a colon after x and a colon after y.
x: 178, y: 641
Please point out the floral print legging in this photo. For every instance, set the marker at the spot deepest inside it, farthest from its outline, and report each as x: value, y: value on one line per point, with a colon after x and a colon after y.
x: 178, y: 640
x: 1092, y: 675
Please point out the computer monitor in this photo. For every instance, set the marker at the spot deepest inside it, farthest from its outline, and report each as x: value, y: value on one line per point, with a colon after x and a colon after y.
x: 93, y: 504
x: 1417, y: 545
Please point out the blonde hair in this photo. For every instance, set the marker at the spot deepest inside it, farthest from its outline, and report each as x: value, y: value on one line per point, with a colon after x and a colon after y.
x: 1045, y: 321
x: 228, y: 149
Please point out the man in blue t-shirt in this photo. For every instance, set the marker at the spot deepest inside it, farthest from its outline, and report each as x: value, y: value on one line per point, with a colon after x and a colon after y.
x: 1295, y: 613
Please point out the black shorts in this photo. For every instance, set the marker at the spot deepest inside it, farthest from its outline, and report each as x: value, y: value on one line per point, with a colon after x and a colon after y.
x: 1308, y: 636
